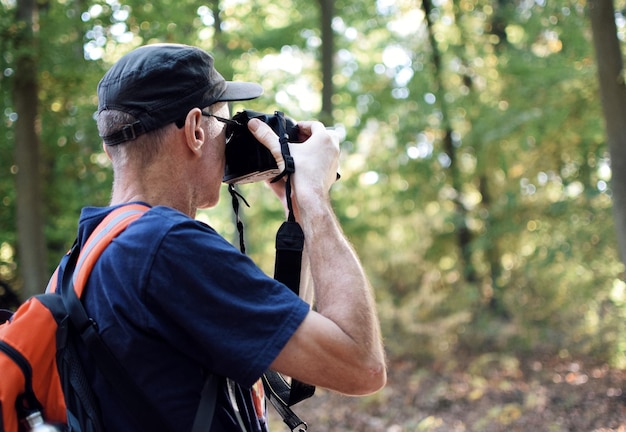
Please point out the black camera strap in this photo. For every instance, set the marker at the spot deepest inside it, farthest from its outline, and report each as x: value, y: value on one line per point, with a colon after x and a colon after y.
x: 290, y: 237
x: 290, y: 166
x: 235, y: 196
x: 289, y: 249
x: 287, y: 269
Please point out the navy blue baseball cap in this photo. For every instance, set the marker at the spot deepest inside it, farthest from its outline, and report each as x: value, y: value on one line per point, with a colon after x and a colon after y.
x: 159, y: 84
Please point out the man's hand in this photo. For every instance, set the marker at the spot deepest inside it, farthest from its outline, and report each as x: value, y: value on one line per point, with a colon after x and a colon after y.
x: 316, y: 157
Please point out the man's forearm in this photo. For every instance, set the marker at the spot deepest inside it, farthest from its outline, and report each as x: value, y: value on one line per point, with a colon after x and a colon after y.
x: 342, y: 291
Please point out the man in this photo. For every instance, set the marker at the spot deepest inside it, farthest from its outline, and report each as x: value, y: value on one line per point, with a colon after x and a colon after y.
x: 173, y: 299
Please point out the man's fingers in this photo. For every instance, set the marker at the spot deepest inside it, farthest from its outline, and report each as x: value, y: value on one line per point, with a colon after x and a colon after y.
x: 308, y: 128
x: 266, y: 136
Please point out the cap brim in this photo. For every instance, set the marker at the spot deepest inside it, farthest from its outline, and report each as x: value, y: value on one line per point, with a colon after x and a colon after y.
x: 239, y: 91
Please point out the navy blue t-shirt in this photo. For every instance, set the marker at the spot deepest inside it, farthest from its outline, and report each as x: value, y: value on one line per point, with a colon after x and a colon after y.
x: 174, y: 301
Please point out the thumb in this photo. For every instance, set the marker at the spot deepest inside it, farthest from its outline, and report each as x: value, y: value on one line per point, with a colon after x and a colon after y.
x: 266, y: 136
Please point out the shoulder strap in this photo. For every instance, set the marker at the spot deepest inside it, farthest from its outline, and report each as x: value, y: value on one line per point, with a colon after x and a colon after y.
x: 113, y: 224
x: 77, y: 269
x: 206, y: 408
x: 110, y: 227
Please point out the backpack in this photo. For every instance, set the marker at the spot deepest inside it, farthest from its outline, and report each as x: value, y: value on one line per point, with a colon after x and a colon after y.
x: 42, y: 377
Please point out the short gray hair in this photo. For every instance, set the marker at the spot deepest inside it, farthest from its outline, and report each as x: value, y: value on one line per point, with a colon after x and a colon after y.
x: 142, y: 150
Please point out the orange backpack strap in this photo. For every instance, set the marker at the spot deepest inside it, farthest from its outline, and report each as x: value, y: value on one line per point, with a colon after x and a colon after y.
x: 113, y: 224
x: 110, y: 227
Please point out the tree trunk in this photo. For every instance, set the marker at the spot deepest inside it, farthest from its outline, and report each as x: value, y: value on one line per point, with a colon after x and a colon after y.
x: 613, y: 97
x: 328, y: 52
x: 219, y: 45
x: 463, y: 234
x: 30, y: 236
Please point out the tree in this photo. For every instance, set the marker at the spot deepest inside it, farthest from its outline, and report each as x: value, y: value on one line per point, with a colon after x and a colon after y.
x: 613, y: 96
x: 32, y: 250
x: 327, y: 10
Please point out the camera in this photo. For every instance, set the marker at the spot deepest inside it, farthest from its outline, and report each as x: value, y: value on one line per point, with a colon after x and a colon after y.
x: 247, y: 160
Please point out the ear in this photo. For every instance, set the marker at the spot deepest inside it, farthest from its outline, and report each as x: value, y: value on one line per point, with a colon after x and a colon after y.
x: 194, y: 133
x: 106, y: 150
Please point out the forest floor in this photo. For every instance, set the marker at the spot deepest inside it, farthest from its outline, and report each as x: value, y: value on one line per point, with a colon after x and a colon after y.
x: 487, y: 393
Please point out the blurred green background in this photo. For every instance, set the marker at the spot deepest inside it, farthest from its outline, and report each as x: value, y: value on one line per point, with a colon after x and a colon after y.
x: 476, y: 177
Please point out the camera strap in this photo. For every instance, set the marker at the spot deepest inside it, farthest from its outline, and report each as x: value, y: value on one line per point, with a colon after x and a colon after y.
x: 290, y: 237
x: 287, y: 269
x: 235, y: 196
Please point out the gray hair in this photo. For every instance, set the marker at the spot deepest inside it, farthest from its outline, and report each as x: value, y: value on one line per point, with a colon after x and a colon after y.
x: 140, y: 151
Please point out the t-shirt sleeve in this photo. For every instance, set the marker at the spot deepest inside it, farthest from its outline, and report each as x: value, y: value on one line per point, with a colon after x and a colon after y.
x: 219, y: 307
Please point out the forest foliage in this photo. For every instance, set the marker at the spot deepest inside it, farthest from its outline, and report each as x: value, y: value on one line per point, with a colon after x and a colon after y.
x: 475, y: 172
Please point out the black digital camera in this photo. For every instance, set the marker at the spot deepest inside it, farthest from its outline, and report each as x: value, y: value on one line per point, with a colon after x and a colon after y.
x: 247, y: 160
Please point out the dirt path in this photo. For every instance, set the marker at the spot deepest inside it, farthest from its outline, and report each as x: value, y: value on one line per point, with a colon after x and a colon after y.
x: 490, y: 393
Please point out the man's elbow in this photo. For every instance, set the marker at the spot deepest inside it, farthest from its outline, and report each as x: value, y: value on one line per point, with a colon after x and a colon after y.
x: 378, y: 378
x: 370, y: 379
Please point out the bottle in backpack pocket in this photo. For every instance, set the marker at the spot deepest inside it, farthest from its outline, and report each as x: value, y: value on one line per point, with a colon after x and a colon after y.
x: 35, y: 423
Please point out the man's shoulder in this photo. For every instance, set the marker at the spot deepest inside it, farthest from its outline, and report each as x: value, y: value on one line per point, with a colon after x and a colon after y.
x: 166, y: 219
x: 160, y: 228
x: 159, y: 216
